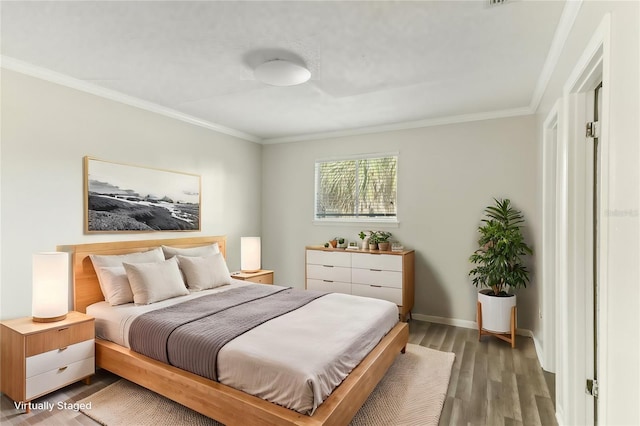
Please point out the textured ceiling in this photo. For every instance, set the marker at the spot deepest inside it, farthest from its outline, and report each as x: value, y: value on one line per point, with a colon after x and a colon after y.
x: 372, y: 63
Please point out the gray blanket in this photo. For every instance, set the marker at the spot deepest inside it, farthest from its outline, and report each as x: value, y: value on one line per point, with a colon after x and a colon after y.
x: 190, y: 334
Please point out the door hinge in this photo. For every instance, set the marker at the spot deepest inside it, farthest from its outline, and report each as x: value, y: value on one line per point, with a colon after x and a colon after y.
x: 592, y: 387
x: 593, y: 129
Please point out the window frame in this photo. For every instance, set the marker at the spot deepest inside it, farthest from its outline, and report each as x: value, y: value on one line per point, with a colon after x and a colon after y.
x: 390, y: 221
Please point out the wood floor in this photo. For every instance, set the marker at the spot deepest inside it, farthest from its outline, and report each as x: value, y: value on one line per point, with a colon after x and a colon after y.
x: 491, y: 384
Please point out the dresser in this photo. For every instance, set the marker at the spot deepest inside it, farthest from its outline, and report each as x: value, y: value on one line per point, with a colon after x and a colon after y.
x: 38, y: 358
x: 387, y: 275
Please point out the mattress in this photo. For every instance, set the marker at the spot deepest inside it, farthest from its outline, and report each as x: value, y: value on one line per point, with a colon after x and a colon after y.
x: 295, y: 360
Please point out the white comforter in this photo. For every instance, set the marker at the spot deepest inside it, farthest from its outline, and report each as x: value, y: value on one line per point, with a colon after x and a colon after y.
x: 295, y: 360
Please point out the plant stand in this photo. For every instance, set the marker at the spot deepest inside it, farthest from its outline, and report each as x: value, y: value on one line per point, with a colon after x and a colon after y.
x: 507, y: 337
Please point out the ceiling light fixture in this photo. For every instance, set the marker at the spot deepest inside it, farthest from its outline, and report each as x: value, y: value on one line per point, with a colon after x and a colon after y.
x: 279, y: 72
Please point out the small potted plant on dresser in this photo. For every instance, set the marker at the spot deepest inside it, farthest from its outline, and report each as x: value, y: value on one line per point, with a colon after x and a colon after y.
x: 500, y: 268
x: 365, y: 239
x: 383, y: 240
x: 373, y: 241
x: 342, y: 243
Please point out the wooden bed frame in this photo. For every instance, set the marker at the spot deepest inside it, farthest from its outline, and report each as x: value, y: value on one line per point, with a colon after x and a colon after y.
x: 220, y: 402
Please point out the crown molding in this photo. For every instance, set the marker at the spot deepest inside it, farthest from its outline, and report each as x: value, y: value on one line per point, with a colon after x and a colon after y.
x: 565, y: 24
x: 429, y: 122
x: 567, y: 18
x: 22, y: 67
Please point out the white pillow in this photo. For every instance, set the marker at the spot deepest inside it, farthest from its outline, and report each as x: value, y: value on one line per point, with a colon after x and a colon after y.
x: 205, y: 272
x: 191, y: 251
x: 153, y: 282
x: 115, y: 285
x: 102, y: 261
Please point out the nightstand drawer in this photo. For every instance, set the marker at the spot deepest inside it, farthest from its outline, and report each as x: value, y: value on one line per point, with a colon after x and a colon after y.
x: 57, y: 338
x: 58, y: 377
x: 385, y: 293
x: 262, y: 279
x: 57, y: 358
x: 377, y: 277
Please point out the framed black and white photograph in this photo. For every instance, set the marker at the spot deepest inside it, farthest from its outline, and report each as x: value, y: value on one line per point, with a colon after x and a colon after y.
x: 128, y: 198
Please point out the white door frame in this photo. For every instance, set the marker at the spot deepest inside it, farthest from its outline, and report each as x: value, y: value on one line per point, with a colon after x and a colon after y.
x: 551, y: 190
x: 574, y: 232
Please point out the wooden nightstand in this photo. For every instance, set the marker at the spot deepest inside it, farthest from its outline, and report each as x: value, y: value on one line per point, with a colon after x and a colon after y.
x: 38, y: 358
x: 262, y: 276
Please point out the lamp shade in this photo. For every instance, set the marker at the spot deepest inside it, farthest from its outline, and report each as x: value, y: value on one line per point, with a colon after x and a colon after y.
x: 50, y: 299
x: 250, y: 254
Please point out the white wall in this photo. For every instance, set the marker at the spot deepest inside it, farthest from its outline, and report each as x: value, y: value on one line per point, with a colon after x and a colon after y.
x: 446, y: 176
x: 47, y: 129
x: 619, y: 337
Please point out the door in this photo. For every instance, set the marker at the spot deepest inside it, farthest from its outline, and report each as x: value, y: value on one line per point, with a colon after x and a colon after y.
x: 593, y: 198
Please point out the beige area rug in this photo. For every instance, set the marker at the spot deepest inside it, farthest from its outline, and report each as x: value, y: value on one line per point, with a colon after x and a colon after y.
x: 411, y: 393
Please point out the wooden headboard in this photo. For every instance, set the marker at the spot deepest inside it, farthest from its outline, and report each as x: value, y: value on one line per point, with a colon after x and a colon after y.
x: 86, y: 288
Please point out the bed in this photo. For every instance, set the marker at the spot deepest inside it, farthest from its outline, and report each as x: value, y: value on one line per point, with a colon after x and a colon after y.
x: 209, y: 397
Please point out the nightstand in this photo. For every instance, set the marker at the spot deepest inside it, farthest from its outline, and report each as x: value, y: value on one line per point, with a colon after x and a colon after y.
x: 38, y: 358
x: 262, y: 276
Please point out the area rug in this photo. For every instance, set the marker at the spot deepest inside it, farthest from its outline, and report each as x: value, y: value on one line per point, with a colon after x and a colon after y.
x: 411, y: 393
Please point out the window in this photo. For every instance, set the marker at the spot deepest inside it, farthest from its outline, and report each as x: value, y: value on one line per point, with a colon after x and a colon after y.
x: 360, y: 188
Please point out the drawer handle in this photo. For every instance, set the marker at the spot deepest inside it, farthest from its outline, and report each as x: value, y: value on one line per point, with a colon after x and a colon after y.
x: 328, y: 266
x: 376, y: 270
x: 376, y: 286
x: 62, y: 349
x: 62, y: 368
x: 327, y: 281
x: 63, y: 329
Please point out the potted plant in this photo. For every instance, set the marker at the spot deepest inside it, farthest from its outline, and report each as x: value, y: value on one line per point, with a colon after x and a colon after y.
x: 499, y: 267
x: 383, y: 240
x: 373, y: 241
x: 365, y: 239
x: 342, y: 243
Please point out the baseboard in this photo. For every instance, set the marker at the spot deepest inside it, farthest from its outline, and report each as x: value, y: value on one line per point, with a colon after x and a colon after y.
x: 538, y: 347
x: 446, y: 321
x: 559, y: 416
x: 468, y: 324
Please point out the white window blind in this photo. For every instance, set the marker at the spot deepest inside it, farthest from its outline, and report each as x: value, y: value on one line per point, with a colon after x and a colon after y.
x: 358, y: 188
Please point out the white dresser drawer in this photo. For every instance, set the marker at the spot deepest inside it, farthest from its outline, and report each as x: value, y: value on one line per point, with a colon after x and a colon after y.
x: 391, y: 294
x: 377, y: 277
x: 58, y: 377
x: 331, y: 273
x: 387, y: 262
x: 56, y: 358
x: 331, y: 286
x: 332, y: 258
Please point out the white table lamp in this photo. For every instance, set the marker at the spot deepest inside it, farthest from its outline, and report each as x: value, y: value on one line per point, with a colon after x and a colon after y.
x: 50, y: 299
x: 250, y: 254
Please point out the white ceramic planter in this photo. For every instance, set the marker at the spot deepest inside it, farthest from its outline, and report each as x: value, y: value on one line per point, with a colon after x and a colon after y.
x: 496, y: 312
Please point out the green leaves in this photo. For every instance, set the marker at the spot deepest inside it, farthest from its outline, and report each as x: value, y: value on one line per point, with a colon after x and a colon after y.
x: 356, y: 188
x: 501, y: 248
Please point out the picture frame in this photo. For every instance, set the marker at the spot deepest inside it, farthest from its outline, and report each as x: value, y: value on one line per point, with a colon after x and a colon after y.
x: 121, y: 197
